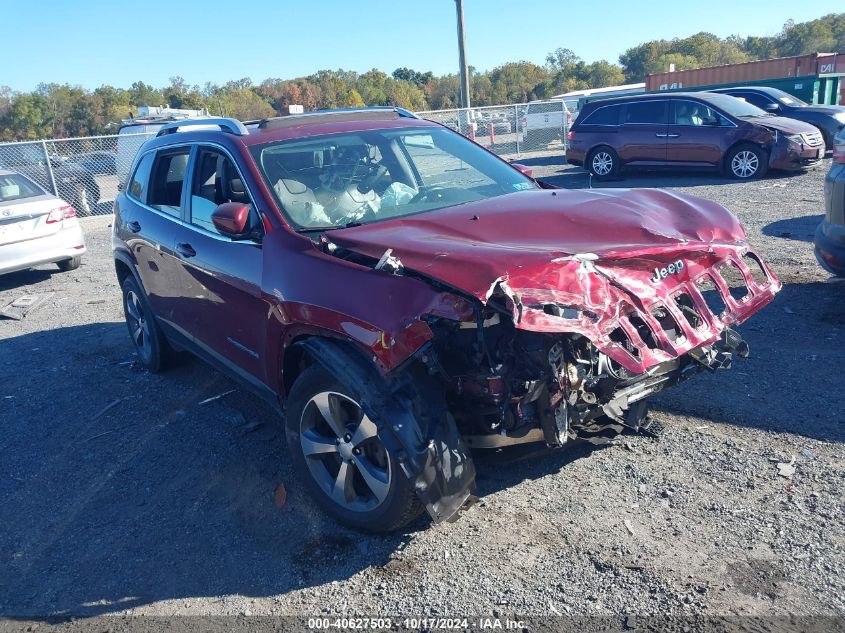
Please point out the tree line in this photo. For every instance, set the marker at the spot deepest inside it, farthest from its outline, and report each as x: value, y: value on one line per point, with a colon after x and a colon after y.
x: 63, y: 110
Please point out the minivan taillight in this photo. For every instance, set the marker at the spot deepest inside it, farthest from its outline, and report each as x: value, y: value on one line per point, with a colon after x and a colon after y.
x: 839, y: 152
x: 61, y: 213
x: 570, y: 134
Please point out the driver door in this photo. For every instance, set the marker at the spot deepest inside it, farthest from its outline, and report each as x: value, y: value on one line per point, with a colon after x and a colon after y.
x: 221, y: 276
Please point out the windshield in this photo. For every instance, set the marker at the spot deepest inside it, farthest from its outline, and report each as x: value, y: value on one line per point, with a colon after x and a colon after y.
x: 736, y: 107
x: 354, y: 178
x: 16, y: 187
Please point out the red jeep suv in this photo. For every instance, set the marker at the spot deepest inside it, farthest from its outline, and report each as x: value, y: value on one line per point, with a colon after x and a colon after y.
x: 403, y: 295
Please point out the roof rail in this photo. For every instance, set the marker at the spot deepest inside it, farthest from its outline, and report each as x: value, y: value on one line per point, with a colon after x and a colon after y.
x: 233, y: 126
x: 399, y: 112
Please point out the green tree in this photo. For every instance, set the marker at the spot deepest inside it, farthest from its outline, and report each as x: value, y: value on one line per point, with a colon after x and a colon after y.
x: 27, y: 118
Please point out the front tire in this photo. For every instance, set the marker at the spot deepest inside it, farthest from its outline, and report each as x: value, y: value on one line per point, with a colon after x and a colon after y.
x: 149, y: 341
x: 746, y: 162
x: 603, y: 163
x: 338, y: 455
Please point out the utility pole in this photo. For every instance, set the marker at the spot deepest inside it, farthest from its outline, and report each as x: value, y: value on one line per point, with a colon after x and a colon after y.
x: 462, y: 53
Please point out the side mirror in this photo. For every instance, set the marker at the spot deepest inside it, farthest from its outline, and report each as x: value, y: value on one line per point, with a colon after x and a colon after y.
x: 772, y: 107
x: 523, y: 169
x: 231, y: 219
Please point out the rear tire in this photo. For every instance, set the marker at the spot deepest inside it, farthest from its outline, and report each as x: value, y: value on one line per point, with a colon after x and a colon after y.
x: 746, y: 162
x: 149, y: 341
x: 603, y: 163
x: 69, y: 264
x: 347, y: 470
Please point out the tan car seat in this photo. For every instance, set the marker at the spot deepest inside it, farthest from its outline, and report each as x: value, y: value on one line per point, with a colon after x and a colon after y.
x: 300, y: 203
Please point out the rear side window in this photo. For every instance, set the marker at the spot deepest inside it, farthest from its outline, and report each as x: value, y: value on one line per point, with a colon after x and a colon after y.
x: 168, y: 176
x: 606, y: 115
x: 138, y: 185
x: 16, y: 187
x: 647, y: 112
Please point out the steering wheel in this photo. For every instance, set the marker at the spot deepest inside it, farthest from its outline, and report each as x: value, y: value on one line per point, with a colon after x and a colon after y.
x: 426, y: 194
x: 376, y: 172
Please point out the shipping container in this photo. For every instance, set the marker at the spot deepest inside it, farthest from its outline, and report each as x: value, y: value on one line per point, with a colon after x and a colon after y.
x: 815, y: 78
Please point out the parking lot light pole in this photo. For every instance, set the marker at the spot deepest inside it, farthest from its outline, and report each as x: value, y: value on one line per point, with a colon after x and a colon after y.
x: 462, y: 54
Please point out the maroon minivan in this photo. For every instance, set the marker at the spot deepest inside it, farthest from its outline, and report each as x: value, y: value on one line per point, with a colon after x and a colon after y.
x: 689, y: 130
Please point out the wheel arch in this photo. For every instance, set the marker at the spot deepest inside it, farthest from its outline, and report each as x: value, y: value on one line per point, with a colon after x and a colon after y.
x: 124, y: 266
x: 744, y: 141
x: 725, y: 167
x: 420, y: 433
x: 300, y: 352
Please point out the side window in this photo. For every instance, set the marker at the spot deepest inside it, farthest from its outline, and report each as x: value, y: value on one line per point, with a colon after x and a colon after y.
x: 215, y: 181
x: 647, y: 112
x: 607, y: 115
x: 761, y: 101
x: 696, y: 114
x: 140, y: 179
x: 168, y: 175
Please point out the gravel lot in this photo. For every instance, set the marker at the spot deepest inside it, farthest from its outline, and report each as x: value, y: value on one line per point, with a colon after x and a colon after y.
x: 121, y: 494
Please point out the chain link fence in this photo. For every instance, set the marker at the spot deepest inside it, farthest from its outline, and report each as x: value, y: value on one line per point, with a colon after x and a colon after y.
x: 513, y: 130
x: 86, y: 171
x: 82, y: 171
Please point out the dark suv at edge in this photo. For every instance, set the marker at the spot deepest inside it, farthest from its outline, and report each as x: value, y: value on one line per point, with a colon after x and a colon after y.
x: 830, y: 234
x: 689, y: 130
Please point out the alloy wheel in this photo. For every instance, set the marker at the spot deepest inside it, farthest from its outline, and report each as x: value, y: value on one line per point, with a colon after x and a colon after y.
x: 343, y: 452
x: 745, y: 164
x: 139, y: 326
x: 602, y: 163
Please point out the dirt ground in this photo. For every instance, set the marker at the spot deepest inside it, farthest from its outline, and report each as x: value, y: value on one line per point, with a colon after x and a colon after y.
x: 122, y: 494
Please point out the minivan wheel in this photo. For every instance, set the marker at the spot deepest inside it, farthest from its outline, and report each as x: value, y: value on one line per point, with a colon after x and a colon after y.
x: 343, y: 463
x: 603, y: 163
x: 147, y: 337
x: 747, y: 162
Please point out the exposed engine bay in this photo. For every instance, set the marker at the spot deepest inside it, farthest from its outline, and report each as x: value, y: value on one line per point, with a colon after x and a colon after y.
x: 508, y: 386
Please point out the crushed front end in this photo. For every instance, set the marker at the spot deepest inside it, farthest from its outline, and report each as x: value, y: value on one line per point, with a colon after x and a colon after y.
x: 579, y: 357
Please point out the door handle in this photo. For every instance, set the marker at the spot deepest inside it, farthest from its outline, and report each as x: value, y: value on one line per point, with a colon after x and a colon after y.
x: 661, y: 135
x: 134, y: 226
x: 673, y: 135
x: 185, y: 250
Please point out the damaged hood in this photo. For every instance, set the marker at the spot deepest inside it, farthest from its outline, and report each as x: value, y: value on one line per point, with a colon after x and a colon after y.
x: 785, y: 125
x: 519, y: 237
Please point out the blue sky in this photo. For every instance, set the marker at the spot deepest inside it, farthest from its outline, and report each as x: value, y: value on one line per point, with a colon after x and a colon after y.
x: 91, y: 42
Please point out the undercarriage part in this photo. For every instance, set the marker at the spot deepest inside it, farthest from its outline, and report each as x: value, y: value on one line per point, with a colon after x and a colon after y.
x: 502, y: 440
x: 505, y: 383
x: 414, y: 424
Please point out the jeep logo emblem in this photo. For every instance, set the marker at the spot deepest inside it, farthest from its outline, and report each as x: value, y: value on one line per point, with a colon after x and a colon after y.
x: 672, y: 269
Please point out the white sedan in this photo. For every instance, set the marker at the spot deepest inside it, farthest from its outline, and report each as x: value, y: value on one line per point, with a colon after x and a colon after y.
x: 36, y: 227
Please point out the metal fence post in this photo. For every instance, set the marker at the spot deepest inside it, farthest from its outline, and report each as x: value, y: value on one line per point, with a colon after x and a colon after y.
x: 516, y: 126
x: 49, y: 168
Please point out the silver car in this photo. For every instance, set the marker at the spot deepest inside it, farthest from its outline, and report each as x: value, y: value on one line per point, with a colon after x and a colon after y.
x: 36, y: 227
